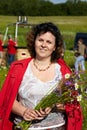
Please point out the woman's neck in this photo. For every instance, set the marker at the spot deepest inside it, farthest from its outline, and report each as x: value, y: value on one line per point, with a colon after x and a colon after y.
x: 43, y: 61
x: 42, y: 64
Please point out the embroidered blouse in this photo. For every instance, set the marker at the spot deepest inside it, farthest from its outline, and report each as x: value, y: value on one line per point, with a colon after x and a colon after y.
x: 33, y: 89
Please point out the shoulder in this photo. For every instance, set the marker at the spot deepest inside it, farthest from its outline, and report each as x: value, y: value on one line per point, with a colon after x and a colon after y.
x: 18, y: 68
x: 23, y: 61
x: 61, y: 62
x: 63, y: 66
x: 20, y: 63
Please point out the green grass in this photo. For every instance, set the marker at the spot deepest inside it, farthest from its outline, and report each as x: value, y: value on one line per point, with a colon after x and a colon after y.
x: 3, y: 74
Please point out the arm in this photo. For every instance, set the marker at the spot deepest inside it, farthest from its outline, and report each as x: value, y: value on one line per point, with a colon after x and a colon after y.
x: 18, y: 108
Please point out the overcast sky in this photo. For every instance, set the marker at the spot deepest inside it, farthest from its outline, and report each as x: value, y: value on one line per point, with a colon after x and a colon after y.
x: 61, y: 1
x: 58, y: 1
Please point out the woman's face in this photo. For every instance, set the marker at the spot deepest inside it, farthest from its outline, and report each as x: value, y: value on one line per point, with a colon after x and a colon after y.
x: 45, y: 45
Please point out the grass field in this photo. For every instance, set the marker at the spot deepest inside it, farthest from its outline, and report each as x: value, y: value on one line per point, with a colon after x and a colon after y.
x: 68, y: 26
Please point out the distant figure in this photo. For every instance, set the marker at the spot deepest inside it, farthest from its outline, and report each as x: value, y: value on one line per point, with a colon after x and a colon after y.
x: 11, y: 50
x: 1, y: 49
x: 81, y: 47
x: 79, y: 63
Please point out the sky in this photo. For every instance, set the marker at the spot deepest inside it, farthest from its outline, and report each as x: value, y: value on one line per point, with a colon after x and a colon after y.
x: 61, y: 1
x: 58, y: 1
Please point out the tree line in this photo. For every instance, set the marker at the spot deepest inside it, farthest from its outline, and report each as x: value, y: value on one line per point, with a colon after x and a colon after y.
x: 43, y: 8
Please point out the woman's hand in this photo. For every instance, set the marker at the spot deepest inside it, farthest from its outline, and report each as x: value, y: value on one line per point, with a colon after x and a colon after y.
x: 30, y: 114
x: 60, y: 106
x: 43, y: 113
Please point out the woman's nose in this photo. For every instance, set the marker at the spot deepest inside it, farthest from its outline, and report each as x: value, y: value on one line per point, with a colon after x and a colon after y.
x: 44, y: 44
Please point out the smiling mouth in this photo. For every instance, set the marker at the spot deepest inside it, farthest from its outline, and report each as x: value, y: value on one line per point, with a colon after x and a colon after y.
x: 43, y: 49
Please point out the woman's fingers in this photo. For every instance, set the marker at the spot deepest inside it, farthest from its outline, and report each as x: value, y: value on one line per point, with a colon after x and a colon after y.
x: 30, y: 114
x: 47, y: 110
x: 41, y: 113
x: 60, y: 106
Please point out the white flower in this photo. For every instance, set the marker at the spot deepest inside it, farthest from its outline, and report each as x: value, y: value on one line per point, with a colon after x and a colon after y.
x: 67, y: 76
x: 79, y: 98
x: 76, y: 86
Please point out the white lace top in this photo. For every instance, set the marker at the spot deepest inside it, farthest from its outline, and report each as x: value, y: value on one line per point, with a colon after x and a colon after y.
x: 33, y: 89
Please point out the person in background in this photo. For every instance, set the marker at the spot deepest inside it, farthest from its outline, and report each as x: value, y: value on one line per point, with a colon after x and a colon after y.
x: 79, y: 63
x: 29, y: 80
x: 1, y: 49
x: 81, y: 47
x: 11, y: 50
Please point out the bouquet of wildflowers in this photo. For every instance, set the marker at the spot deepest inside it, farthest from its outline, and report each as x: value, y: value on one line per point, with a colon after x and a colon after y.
x: 70, y: 90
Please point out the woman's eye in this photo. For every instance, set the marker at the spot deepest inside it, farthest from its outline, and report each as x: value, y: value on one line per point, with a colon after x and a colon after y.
x: 49, y: 42
x: 40, y: 40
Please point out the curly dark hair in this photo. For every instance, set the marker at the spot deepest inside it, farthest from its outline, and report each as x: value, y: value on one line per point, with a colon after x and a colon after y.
x: 41, y: 29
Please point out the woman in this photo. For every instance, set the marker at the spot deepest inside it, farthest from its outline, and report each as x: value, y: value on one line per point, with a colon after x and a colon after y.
x: 30, y: 79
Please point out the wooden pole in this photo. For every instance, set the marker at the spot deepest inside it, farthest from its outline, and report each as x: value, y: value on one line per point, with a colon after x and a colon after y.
x: 16, y: 32
x: 5, y: 36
